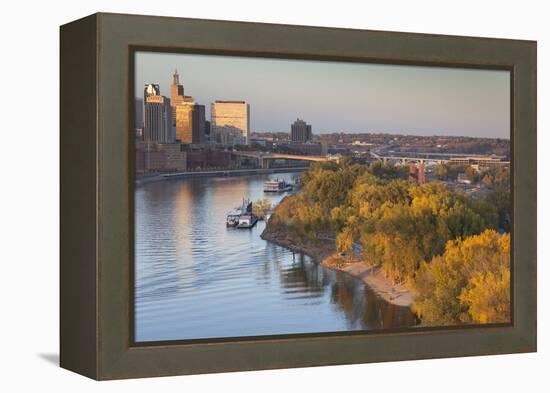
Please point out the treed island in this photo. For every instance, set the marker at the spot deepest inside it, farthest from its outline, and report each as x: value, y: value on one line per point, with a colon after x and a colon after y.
x: 427, y: 246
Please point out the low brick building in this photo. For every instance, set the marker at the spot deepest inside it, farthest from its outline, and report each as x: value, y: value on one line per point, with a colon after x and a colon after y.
x: 159, y: 157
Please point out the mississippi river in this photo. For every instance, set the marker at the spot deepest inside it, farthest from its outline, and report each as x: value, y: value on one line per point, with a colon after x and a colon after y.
x: 197, y: 279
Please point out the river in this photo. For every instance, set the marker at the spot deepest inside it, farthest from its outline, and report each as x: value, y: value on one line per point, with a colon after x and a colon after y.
x: 197, y: 279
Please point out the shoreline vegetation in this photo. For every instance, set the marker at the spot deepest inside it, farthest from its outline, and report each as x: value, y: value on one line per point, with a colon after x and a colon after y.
x: 325, y: 254
x: 441, y: 253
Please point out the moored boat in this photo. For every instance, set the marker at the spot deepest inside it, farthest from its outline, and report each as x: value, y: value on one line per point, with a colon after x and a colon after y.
x: 242, y: 216
x: 232, y: 216
x: 276, y: 185
x: 247, y: 220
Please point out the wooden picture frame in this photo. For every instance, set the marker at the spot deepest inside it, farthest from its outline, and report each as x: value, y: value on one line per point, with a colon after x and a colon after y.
x: 97, y: 195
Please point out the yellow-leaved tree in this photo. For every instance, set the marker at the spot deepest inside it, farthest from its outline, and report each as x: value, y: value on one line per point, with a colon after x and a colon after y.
x: 469, y: 283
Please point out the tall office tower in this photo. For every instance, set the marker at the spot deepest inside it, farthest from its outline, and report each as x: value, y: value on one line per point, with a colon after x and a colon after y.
x: 176, y: 95
x: 150, y: 89
x: 190, y: 123
x: 188, y: 118
x: 230, y: 122
x: 300, y: 131
x: 176, y: 90
x: 207, y: 131
x: 158, y: 120
x: 199, y: 123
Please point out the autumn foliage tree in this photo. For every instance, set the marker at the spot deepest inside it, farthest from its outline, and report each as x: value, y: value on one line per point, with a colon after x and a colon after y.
x: 469, y: 283
x: 401, y: 225
x: 427, y: 236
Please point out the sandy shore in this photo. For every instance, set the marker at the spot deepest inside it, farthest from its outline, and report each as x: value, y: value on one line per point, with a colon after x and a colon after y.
x: 324, y: 253
x: 398, y: 294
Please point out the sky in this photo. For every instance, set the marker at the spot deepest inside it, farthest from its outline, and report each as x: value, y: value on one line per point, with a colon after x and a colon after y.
x: 339, y: 96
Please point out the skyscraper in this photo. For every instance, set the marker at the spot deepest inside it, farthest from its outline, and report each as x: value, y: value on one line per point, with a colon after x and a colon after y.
x: 300, y: 131
x: 230, y: 122
x: 188, y: 117
x: 176, y: 89
x: 150, y: 89
x: 207, y: 132
x: 157, y: 120
x: 190, y: 123
x: 177, y: 97
x: 199, y: 123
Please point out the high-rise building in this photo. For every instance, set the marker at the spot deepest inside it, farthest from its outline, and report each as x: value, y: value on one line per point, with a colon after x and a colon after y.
x: 190, y: 123
x: 176, y: 90
x: 207, y: 131
x: 199, y: 123
x: 150, y: 89
x: 188, y: 117
x: 177, y: 97
x: 157, y: 120
x: 230, y: 122
x: 300, y: 132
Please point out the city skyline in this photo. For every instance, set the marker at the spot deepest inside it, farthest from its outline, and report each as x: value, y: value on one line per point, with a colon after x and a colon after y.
x: 341, y: 97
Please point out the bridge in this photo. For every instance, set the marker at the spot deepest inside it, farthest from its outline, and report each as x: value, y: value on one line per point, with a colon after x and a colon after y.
x: 442, y: 158
x: 265, y: 158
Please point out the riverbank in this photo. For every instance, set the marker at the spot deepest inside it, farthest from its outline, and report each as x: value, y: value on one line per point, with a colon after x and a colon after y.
x: 316, y: 250
x: 374, y: 278
x: 324, y: 253
x: 140, y: 180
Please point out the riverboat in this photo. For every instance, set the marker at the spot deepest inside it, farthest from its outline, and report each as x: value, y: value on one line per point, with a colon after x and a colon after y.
x: 247, y: 220
x: 233, y: 216
x: 276, y: 185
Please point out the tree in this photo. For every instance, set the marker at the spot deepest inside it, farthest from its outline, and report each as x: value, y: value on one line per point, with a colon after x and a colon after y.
x: 262, y: 207
x: 471, y: 174
x: 469, y: 283
x: 399, y: 224
x: 402, y: 225
x: 441, y: 171
x: 487, y: 179
x: 344, y: 241
x: 487, y: 297
x: 500, y: 195
x: 386, y: 171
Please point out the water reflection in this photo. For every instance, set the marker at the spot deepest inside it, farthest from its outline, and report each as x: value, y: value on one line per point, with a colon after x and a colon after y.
x: 195, y: 278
